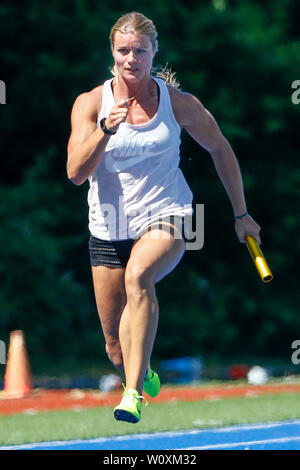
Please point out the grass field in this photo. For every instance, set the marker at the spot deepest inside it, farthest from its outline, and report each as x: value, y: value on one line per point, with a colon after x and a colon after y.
x: 173, y: 416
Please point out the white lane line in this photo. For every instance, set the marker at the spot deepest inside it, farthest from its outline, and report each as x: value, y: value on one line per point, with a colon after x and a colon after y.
x: 244, y: 443
x: 154, y: 436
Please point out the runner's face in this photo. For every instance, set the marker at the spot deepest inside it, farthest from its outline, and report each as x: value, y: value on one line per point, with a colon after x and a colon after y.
x: 133, y: 55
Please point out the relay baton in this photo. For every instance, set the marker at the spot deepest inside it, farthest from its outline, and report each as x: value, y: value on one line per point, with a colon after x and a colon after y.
x: 259, y: 259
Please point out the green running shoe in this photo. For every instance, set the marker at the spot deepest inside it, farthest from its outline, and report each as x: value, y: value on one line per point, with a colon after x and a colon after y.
x: 152, y: 383
x: 129, y: 409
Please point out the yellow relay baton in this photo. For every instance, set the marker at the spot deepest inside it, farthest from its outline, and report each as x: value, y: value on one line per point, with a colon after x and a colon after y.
x: 259, y: 259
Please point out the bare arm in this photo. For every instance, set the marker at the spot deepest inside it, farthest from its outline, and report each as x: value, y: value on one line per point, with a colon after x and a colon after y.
x: 87, y: 141
x: 202, y: 127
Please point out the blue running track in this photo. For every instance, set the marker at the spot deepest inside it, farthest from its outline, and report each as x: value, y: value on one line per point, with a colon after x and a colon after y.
x: 265, y: 436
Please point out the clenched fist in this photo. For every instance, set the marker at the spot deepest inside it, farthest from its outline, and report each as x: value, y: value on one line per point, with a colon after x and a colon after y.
x: 117, y: 115
x: 247, y: 226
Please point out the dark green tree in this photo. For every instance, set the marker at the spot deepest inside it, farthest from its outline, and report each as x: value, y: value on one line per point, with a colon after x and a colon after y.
x: 239, y: 59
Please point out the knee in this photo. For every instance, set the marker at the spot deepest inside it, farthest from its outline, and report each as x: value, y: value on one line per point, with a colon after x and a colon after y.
x: 137, y: 280
x: 115, y: 356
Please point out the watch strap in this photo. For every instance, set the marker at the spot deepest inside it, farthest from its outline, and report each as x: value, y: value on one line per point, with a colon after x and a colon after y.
x: 104, y: 128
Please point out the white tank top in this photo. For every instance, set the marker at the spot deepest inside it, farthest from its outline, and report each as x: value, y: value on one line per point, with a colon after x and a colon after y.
x: 138, y: 179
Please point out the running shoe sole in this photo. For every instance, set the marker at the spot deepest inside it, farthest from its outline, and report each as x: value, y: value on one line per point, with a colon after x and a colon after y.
x: 123, y: 415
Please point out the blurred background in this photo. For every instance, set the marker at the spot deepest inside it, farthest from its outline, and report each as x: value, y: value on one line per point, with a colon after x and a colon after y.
x: 240, y: 59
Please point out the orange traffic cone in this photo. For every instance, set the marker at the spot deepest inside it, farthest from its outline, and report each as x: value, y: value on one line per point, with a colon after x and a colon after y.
x: 17, y: 378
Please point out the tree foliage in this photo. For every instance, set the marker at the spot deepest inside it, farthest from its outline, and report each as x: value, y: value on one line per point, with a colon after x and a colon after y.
x: 239, y: 59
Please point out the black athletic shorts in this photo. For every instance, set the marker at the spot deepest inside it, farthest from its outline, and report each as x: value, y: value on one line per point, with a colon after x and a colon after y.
x: 116, y: 253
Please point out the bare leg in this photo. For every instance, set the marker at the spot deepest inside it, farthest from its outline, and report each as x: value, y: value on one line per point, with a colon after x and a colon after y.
x: 113, y: 312
x: 124, y: 335
x: 110, y: 297
x: 143, y: 328
x: 150, y: 260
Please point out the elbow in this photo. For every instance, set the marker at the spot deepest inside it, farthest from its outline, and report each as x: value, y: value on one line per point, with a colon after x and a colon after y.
x: 74, y: 177
x: 76, y: 181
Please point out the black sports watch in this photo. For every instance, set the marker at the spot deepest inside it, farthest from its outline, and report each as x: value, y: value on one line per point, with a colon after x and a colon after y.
x: 104, y: 128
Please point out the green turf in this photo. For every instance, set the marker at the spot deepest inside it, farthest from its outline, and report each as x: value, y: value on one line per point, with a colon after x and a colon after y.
x: 97, y: 422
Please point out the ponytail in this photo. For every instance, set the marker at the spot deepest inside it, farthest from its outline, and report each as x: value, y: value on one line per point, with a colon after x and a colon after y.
x: 166, y: 74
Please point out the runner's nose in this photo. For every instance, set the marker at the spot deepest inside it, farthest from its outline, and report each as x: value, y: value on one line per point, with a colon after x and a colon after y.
x: 131, y: 58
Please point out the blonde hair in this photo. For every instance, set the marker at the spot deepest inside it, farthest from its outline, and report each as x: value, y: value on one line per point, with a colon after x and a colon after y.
x: 137, y: 23
x: 167, y: 75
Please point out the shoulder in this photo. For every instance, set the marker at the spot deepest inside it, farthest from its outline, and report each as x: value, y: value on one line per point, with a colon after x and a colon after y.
x: 185, y: 106
x: 88, y: 103
x: 196, y: 120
